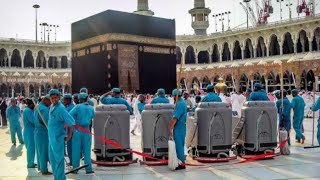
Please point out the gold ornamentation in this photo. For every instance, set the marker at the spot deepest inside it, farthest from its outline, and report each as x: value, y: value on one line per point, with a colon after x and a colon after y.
x: 109, y: 47
x: 81, y: 52
x: 95, y: 49
x: 157, y: 50
x: 122, y: 37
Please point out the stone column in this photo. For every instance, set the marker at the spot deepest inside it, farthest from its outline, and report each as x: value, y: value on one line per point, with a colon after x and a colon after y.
x: 268, y: 52
x: 47, y: 62
x: 35, y: 62
x: 39, y: 90
x: 295, y: 47
x: 280, y: 47
x: 266, y: 86
x: 231, y: 55
x: 9, y: 61
x: 298, y: 81
x: 254, y: 51
x: 196, y: 57
x: 12, y: 91
x: 220, y: 55
x: 242, y: 54
x: 310, y: 44
x: 317, y: 42
x: 210, y: 58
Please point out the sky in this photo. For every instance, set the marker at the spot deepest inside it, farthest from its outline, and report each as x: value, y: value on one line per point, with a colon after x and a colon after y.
x: 17, y: 17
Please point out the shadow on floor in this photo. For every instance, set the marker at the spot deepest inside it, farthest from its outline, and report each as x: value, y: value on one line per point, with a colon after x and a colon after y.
x: 15, y: 152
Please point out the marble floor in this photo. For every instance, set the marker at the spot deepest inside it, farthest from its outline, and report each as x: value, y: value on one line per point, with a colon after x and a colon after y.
x: 301, y: 164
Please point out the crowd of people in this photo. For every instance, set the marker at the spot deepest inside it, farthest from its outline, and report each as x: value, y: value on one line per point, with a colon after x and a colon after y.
x: 51, y: 121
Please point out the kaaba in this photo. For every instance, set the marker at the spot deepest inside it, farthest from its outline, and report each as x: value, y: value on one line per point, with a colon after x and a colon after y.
x: 119, y: 49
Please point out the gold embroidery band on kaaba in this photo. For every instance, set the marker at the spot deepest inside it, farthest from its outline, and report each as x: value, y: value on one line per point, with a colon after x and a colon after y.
x: 122, y: 37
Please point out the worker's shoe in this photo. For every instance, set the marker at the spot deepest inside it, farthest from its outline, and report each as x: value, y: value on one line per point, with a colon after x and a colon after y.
x: 302, y: 141
x: 180, y: 167
x: 90, y: 172
x: 47, y: 174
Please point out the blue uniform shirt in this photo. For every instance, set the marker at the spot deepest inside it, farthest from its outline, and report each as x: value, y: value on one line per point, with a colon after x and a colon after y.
x: 83, y: 114
x: 116, y: 100
x: 298, y: 105
x: 58, y: 117
x: 141, y: 106
x: 69, y: 107
x: 285, y: 112
x: 13, y: 114
x: 160, y: 100
x: 28, y: 118
x: 258, y: 96
x: 180, y: 113
x: 39, y: 124
x: 211, y: 97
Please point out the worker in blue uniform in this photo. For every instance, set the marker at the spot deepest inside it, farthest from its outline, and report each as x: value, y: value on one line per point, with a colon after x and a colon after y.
x: 316, y: 107
x: 198, y: 99
x: 41, y: 134
x: 211, y: 96
x: 76, y: 98
x: 298, y: 105
x: 161, y: 98
x: 115, y: 99
x: 83, y: 114
x: 284, y: 110
x: 13, y: 114
x: 28, y: 133
x: 258, y: 94
x: 67, y: 101
x: 85, y: 90
x: 58, y: 117
x: 178, y: 126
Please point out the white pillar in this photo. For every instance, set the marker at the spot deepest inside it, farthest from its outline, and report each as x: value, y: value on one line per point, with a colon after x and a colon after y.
x: 35, y: 62
x: 196, y: 58
x: 266, y: 86
x: 280, y: 47
x: 40, y: 91
x: 12, y: 92
x: 231, y: 55
x: 220, y: 56
x: 295, y: 47
x: 310, y: 45
x: 242, y: 54
x: 252, y: 85
x: 210, y: 58
x: 9, y: 61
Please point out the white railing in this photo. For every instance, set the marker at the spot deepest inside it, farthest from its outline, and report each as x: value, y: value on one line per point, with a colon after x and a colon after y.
x: 34, y: 70
x: 236, y: 30
x: 14, y: 40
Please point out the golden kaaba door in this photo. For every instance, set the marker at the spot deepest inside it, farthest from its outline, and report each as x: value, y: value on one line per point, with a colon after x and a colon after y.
x: 128, y: 67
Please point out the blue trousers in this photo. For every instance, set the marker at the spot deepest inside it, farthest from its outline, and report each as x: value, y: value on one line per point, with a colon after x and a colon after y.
x: 81, y: 143
x: 56, y: 157
x: 15, y: 128
x: 297, y: 125
x: 28, y: 135
x: 42, y: 148
x: 179, y: 135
